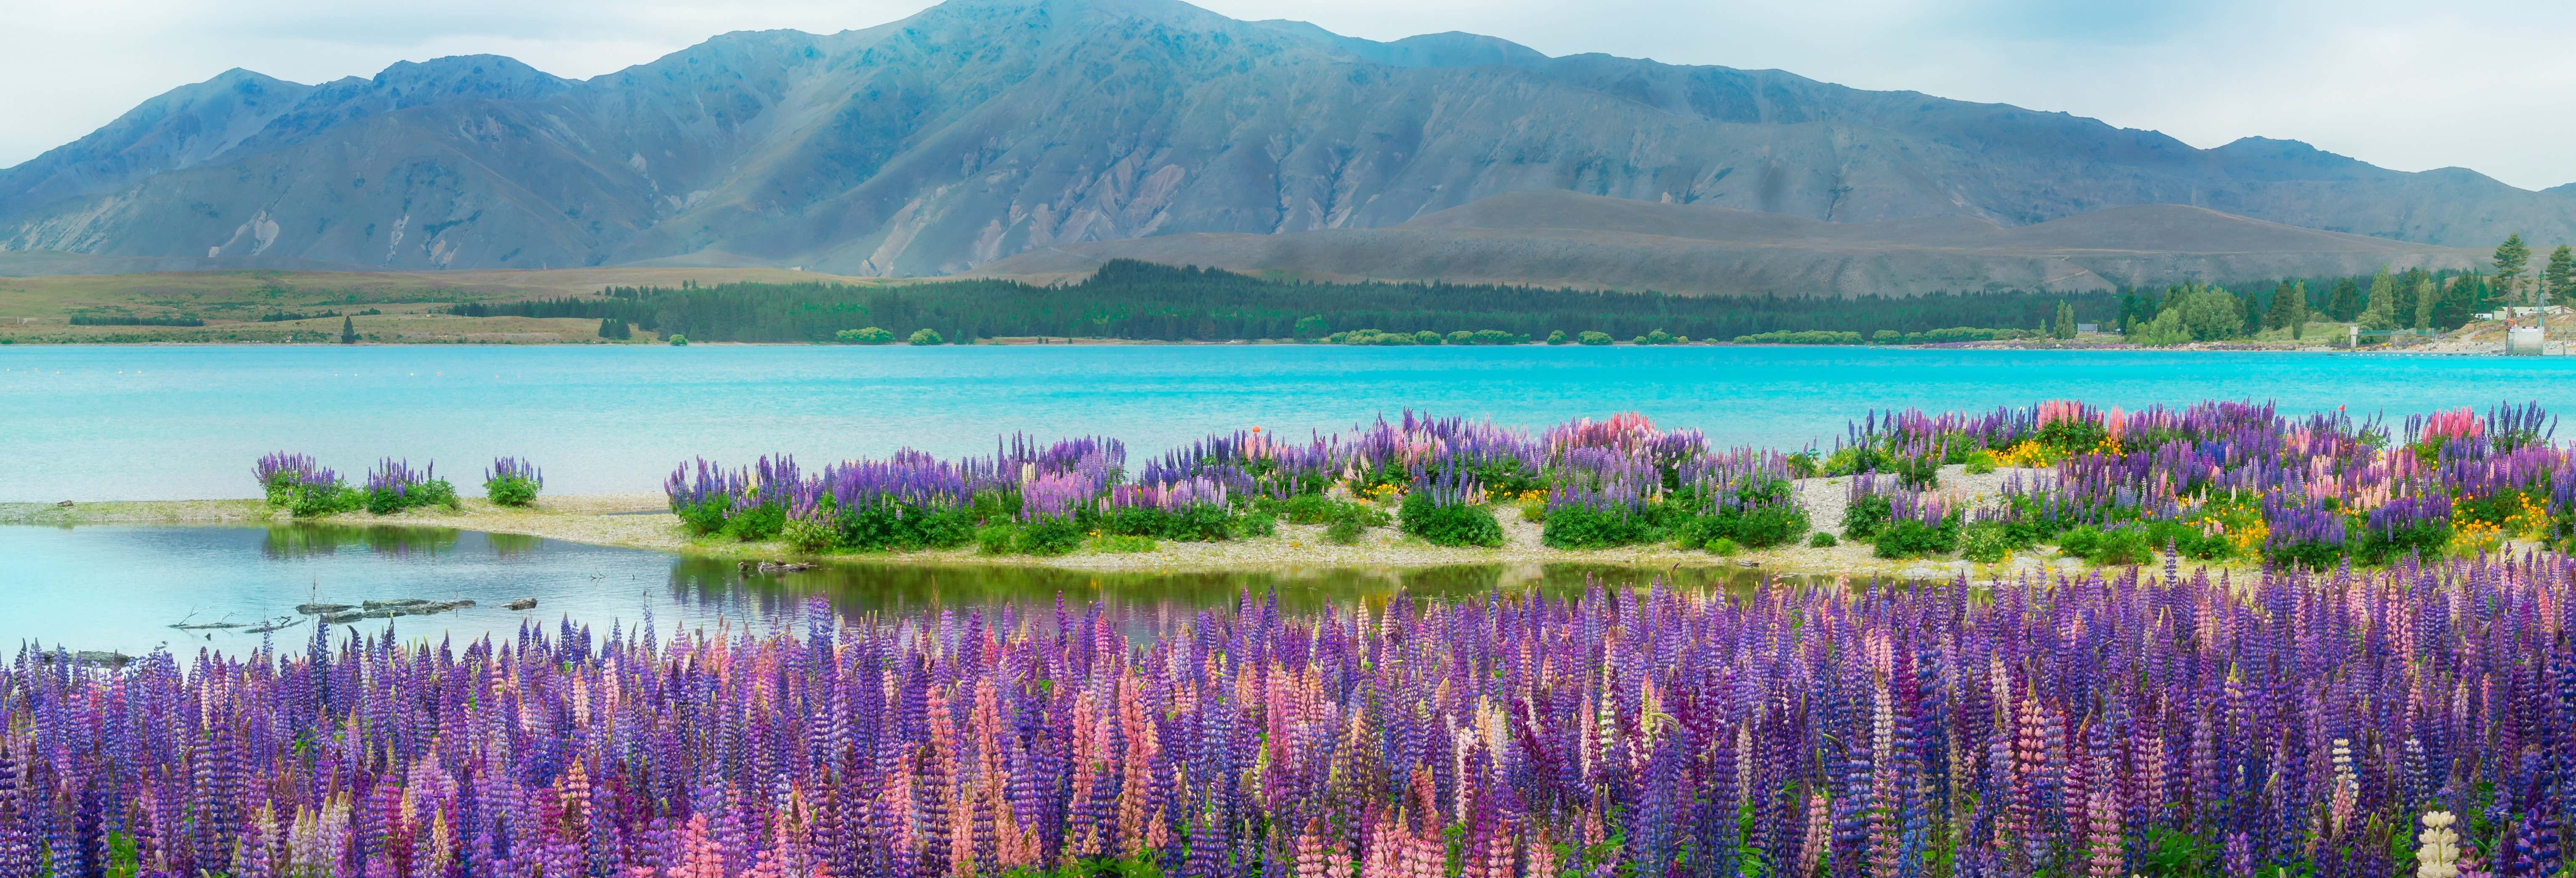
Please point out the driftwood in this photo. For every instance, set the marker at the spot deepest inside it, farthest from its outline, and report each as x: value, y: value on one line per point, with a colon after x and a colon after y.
x: 521, y: 604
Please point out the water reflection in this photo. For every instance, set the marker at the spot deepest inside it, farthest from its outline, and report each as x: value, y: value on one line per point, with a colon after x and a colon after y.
x: 123, y: 587
x: 304, y: 539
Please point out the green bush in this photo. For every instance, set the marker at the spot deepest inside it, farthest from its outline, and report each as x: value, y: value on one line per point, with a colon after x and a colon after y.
x: 1345, y: 531
x: 809, y: 536
x: 434, y: 492
x: 704, y: 518
x: 1593, y: 337
x: 2118, y: 546
x: 1583, y: 527
x: 867, y: 335
x: 679, y: 341
x: 1655, y: 337
x: 896, y: 528
x: 997, y: 539
x: 1049, y: 536
x: 1865, y: 515
x: 1822, y: 540
x: 1790, y: 336
x: 1461, y: 337
x: 925, y: 338
x: 2425, y: 540
x: 313, y: 501
x: 1723, y: 547
x: 1909, y: 538
x: 1987, y: 542
x: 1534, y: 510
x: 1457, y: 525
x: 1121, y: 543
x: 1758, y: 528
x: 1556, y: 336
x: 1427, y: 337
x: 1201, y: 523
x: 1980, y: 462
x: 510, y: 490
x: 757, y: 523
x: 1918, y: 473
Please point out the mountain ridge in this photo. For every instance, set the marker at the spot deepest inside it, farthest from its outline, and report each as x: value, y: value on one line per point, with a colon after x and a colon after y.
x: 979, y: 129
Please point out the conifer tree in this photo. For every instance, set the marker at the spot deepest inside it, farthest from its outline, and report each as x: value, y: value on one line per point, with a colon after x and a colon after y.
x: 2065, y: 328
x: 2424, y: 298
x: 348, y: 330
x: 2559, y: 279
x: 2382, y: 311
x: 2345, y: 304
x: 2511, y: 257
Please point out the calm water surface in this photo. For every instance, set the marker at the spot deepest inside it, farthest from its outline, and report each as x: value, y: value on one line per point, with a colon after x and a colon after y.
x: 121, y: 588
x: 178, y: 422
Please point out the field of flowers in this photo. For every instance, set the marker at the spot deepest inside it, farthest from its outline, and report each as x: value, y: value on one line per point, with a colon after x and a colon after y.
x: 2141, y: 724
x: 2214, y: 482
x: 1613, y: 482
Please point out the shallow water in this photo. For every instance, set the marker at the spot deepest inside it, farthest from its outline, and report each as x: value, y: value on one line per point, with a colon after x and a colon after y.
x: 120, y: 588
x: 182, y: 422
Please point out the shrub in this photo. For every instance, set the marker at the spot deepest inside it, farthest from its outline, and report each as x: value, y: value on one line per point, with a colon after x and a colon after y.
x: 1787, y: 336
x: 1758, y: 527
x: 1866, y: 514
x: 394, y: 487
x: 1656, y: 337
x: 1534, y: 509
x: 1121, y: 543
x: 998, y: 539
x: 2118, y: 546
x: 1576, y: 526
x: 757, y: 523
x: 1556, y: 336
x: 615, y: 329
x: 1911, y: 538
x: 1345, y: 531
x: 1723, y: 547
x: 1918, y: 473
x: 1980, y: 462
x: 866, y: 335
x: 1312, y: 326
x: 925, y: 337
x: 679, y: 341
x: 1427, y: 337
x: 1822, y: 540
x: 1319, y: 509
x: 891, y: 527
x: 1049, y: 536
x: 808, y: 535
x: 512, y: 482
x: 1593, y: 337
x: 1461, y: 337
x: 1987, y: 542
x: 1456, y: 524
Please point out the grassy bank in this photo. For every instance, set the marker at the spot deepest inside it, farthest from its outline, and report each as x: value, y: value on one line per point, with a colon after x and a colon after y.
x: 640, y: 521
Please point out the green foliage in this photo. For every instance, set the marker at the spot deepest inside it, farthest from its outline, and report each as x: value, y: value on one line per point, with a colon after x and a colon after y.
x: 348, y: 330
x: 2165, y: 852
x: 434, y: 492
x: 1556, y: 336
x: 2118, y: 546
x: 925, y: 337
x: 1908, y: 538
x: 866, y: 335
x: 615, y: 329
x: 2558, y: 280
x: 1313, y: 326
x: 761, y: 522
x: 997, y: 539
x: 704, y: 518
x: 510, y: 490
x: 1455, y: 525
x: 1866, y: 514
x: 1121, y: 543
x: 1722, y: 547
x: 679, y: 341
x: 1534, y: 510
x: 1345, y: 531
x: 2344, y: 302
x: 1427, y: 337
x: 1987, y: 542
x: 1048, y: 537
x: 2423, y: 540
x: 901, y: 529
x: 1319, y: 509
x: 1808, y: 336
x: 2063, y: 327
x: 1201, y: 522
x: 1593, y: 337
x: 1583, y: 527
x: 1822, y: 540
x: 1759, y: 527
x: 1980, y: 462
x: 1655, y: 337
x: 808, y: 536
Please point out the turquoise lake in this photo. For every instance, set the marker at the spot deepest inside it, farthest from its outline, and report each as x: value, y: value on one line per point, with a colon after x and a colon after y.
x: 186, y: 422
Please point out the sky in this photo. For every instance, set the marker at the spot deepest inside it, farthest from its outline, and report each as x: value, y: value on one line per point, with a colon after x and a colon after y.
x: 2483, y: 84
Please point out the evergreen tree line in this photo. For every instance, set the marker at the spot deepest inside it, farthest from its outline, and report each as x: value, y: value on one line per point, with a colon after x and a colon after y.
x: 1138, y: 300
x: 2414, y: 299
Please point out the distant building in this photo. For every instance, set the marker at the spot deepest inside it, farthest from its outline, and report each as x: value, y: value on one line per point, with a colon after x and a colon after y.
x: 2081, y: 328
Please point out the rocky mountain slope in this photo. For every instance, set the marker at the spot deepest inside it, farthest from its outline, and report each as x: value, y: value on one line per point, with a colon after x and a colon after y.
x: 1554, y: 238
x: 980, y: 129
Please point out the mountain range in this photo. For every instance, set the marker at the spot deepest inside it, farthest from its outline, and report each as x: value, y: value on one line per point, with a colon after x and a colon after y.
x: 977, y: 131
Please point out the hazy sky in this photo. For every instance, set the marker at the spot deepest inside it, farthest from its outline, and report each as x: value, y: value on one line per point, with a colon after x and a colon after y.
x: 2405, y: 84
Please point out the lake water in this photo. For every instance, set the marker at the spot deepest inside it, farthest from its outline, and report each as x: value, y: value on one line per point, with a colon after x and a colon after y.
x: 121, y: 588
x: 186, y: 422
